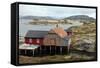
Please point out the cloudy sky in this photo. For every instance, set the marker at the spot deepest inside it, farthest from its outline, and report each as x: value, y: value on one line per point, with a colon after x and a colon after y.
x: 54, y: 11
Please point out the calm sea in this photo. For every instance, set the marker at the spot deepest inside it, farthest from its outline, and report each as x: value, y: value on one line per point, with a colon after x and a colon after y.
x: 24, y: 26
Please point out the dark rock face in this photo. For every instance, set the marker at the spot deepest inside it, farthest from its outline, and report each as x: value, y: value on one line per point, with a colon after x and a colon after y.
x: 84, y: 37
x: 86, y: 45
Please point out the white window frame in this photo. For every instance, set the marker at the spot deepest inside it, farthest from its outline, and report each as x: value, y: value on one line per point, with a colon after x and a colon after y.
x: 30, y: 40
x: 37, y: 40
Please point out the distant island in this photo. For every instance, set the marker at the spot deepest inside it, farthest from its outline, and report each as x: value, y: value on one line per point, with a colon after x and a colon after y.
x: 51, y: 20
x: 80, y: 17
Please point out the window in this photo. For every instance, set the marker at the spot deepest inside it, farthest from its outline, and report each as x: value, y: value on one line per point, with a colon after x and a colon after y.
x: 38, y: 41
x: 30, y: 40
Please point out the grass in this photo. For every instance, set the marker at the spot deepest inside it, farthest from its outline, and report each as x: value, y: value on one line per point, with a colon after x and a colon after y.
x: 54, y: 58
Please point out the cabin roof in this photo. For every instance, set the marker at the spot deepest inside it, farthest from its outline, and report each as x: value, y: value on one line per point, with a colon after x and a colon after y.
x: 36, y: 34
x: 41, y: 34
x: 59, y: 31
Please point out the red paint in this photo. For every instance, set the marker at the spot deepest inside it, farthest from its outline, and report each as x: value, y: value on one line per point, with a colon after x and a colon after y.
x: 26, y: 40
x: 34, y: 41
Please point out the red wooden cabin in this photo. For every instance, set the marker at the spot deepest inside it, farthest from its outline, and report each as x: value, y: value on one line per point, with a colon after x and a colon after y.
x: 35, y: 37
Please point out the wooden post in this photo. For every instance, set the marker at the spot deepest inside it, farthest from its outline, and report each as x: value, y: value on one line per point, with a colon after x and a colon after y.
x: 25, y: 52
x: 55, y: 49
x: 40, y: 50
x: 50, y: 49
x: 37, y: 51
x: 33, y: 52
x: 60, y: 50
x: 44, y: 50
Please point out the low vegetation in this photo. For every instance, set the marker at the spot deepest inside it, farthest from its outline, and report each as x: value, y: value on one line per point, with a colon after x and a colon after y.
x: 54, y: 58
x: 84, y: 36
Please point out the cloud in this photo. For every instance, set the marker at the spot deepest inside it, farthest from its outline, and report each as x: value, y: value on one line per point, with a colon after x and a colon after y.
x: 54, y: 11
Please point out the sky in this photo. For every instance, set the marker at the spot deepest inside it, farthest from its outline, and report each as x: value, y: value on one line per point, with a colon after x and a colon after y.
x: 54, y: 11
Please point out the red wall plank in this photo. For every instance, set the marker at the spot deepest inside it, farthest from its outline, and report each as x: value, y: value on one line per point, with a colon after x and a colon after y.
x: 34, y: 41
x: 26, y: 40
